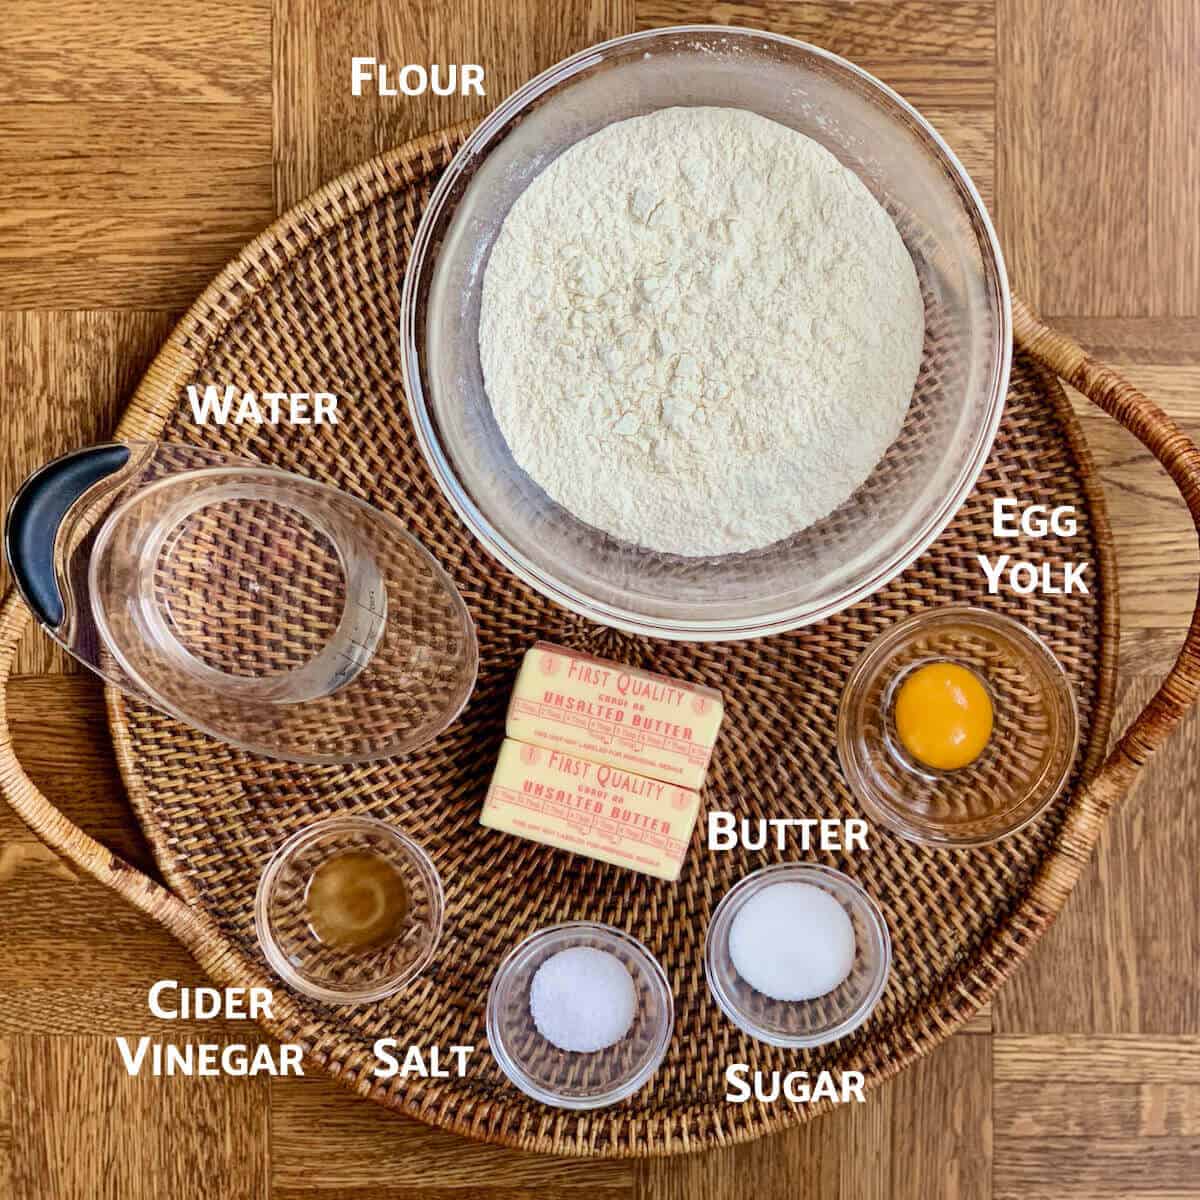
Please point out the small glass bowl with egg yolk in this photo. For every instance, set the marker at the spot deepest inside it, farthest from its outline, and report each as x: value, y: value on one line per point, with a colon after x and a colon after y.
x: 957, y: 727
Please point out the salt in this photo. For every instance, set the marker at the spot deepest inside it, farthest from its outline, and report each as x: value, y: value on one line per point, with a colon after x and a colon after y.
x: 792, y: 941
x: 582, y: 999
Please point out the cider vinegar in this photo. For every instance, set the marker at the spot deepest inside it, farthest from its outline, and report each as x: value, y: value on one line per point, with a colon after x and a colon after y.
x: 356, y: 901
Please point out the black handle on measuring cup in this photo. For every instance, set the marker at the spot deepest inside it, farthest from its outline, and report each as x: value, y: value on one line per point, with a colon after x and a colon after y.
x: 37, y: 511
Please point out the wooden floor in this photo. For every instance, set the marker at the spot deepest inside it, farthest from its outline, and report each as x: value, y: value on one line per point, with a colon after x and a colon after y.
x: 142, y: 144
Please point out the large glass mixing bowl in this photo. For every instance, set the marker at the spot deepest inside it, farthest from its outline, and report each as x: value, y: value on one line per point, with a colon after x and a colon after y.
x: 956, y: 405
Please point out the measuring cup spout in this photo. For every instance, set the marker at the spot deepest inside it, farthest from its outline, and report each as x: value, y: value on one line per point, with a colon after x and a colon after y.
x: 35, y: 515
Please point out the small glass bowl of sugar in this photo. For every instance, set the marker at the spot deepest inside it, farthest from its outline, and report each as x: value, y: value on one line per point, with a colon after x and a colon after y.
x: 797, y: 955
x: 580, y: 1015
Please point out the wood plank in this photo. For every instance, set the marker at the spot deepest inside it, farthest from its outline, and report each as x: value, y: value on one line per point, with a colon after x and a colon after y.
x: 142, y: 152
x: 513, y: 44
x: 135, y: 253
x: 1174, y: 157
x: 1054, y: 1168
x: 930, y: 32
x: 109, y: 262
x: 1149, y: 651
x: 319, y: 135
x: 79, y: 50
x: 295, y: 107
x: 68, y: 984
x: 954, y: 84
x: 1097, y: 1059
x: 1094, y: 76
x: 64, y: 378
x: 60, y: 732
x: 1154, y: 537
x: 1018, y: 194
x: 1165, y: 341
x: 942, y: 1125
x: 484, y: 1190
x: 136, y: 149
x: 81, y: 962
x: 324, y: 1137
x: 1097, y: 1116
x: 933, y: 52
x: 1097, y: 1110
x: 8, y: 1104
x: 95, y: 1131
x: 1121, y: 957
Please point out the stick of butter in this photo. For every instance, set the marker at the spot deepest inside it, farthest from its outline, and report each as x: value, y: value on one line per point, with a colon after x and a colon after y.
x: 602, y: 811
x: 602, y: 710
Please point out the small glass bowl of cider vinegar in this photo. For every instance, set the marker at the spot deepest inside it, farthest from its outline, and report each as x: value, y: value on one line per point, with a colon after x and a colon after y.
x: 349, y: 910
x: 957, y: 727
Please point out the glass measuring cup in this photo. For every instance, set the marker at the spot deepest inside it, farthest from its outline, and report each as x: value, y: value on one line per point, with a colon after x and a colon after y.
x: 272, y: 611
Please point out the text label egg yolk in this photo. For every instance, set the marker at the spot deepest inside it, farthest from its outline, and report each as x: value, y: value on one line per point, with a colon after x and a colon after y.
x: 943, y: 716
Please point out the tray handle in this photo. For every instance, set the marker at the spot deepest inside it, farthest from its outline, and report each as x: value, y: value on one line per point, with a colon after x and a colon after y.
x: 1119, y: 398
x: 66, y: 838
x: 1179, y: 456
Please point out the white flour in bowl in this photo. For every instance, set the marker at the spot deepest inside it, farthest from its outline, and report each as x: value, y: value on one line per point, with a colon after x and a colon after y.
x: 699, y: 331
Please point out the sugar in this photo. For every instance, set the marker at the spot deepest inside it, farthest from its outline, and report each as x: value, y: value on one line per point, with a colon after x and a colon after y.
x: 582, y: 999
x: 792, y: 941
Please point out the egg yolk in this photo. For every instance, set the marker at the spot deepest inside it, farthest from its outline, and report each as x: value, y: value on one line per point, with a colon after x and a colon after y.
x: 943, y: 716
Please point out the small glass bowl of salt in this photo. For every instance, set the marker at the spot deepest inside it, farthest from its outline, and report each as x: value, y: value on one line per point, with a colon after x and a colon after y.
x: 580, y: 1015
x: 797, y: 955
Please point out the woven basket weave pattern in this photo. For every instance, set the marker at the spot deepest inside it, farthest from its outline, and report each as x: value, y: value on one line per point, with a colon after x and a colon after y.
x: 318, y: 308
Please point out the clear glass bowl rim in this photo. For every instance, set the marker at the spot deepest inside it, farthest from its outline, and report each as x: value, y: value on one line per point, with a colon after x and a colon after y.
x: 884, y: 644
x: 298, y: 841
x: 654, y: 972
x: 528, y: 571
x: 390, y: 749
x: 722, y: 918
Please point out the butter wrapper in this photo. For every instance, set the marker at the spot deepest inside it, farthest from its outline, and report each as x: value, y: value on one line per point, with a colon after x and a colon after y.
x: 654, y: 725
x: 601, y: 811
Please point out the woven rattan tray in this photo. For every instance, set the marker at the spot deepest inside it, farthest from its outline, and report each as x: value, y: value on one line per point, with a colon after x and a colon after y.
x: 315, y: 301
